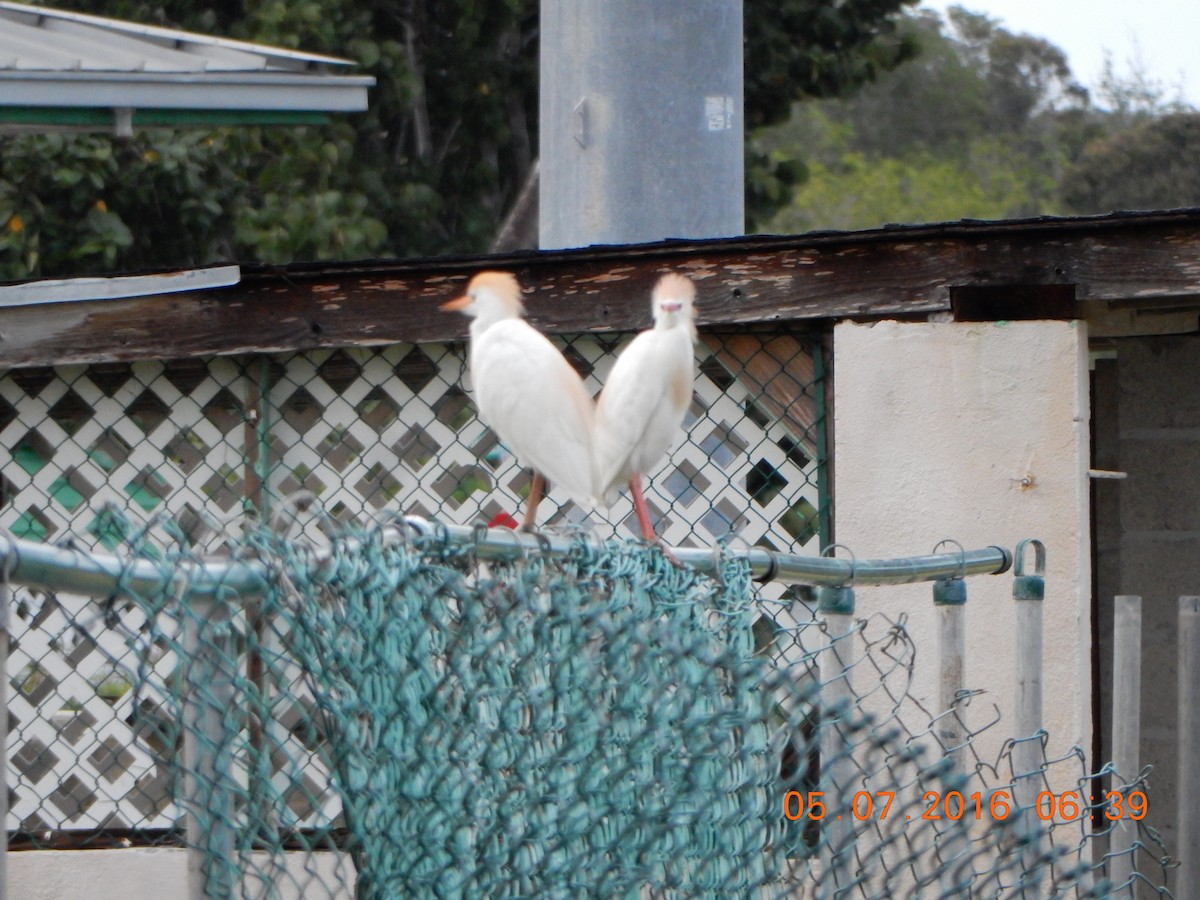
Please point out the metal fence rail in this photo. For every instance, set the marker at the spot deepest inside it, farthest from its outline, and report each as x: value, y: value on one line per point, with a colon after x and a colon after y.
x: 50, y: 567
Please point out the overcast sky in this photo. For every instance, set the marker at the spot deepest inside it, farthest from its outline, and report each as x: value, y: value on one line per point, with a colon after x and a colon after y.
x: 1163, y: 34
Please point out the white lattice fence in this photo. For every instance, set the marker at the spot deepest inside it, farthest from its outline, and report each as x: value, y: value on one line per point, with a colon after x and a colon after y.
x: 77, y: 762
x: 371, y: 433
x: 146, y: 439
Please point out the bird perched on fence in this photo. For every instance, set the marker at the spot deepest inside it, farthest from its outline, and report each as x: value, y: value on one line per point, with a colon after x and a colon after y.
x: 641, y: 408
x: 526, y: 391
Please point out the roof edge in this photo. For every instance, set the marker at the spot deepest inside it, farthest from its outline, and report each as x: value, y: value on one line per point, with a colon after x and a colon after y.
x: 174, y: 35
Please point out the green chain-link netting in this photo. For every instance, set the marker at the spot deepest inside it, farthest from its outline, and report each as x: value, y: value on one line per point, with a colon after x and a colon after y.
x: 598, y: 724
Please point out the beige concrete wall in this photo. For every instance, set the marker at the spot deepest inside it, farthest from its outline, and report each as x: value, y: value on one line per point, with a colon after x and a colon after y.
x: 977, y: 432
x: 160, y: 874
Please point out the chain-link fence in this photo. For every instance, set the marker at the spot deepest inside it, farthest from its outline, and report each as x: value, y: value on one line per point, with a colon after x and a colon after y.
x: 404, y: 714
x: 203, y: 446
x: 404, y: 718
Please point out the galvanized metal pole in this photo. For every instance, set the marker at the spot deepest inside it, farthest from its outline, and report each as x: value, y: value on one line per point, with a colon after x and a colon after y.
x: 1126, y: 726
x: 836, y: 605
x: 950, y: 602
x: 209, y: 787
x: 1028, y: 592
x: 1187, y: 835
x: 950, y: 599
x: 35, y: 564
x: 641, y: 124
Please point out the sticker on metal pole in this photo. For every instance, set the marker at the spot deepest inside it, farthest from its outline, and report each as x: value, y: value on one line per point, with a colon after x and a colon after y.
x: 718, y: 112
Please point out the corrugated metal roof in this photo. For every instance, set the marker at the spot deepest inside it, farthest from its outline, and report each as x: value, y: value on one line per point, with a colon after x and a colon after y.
x: 54, y: 64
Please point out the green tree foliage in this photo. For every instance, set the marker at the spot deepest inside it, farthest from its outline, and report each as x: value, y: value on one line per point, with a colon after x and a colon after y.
x: 971, y: 78
x: 979, y: 125
x: 808, y: 49
x: 70, y: 200
x: 1152, y: 165
x: 859, y: 192
x: 984, y: 123
x: 431, y: 167
x: 1139, y: 151
x: 1020, y: 75
x: 1132, y: 97
x: 815, y: 48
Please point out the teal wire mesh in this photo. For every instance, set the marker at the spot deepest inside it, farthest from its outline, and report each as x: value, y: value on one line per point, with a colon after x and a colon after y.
x: 554, y: 727
x: 604, y: 724
x: 563, y: 728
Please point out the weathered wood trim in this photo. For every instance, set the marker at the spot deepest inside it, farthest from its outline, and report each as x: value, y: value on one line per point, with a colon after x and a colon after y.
x: 745, y: 281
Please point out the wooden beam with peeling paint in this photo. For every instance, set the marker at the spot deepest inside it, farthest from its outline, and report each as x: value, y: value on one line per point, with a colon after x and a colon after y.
x: 891, y: 272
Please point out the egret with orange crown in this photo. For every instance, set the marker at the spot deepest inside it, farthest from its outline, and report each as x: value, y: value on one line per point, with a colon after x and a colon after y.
x: 526, y: 391
x: 641, y: 408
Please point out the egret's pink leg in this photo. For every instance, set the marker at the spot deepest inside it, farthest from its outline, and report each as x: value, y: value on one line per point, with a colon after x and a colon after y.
x: 639, y: 506
x: 537, y: 489
x: 643, y: 514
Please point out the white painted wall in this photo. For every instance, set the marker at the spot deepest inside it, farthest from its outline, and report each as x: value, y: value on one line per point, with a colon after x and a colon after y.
x: 159, y: 874
x: 977, y: 432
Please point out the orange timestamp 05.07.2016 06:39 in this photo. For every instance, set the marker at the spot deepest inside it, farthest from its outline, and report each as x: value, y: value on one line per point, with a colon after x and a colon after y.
x: 954, y: 805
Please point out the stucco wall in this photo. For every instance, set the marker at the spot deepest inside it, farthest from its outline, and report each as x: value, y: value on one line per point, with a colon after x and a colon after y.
x: 977, y: 432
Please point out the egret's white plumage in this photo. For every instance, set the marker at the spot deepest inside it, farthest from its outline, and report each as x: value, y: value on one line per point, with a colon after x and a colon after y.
x: 525, y: 389
x: 641, y: 408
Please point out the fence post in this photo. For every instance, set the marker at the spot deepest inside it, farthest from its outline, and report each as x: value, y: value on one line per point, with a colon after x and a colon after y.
x: 950, y: 601
x: 836, y: 604
x: 208, y: 779
x: 1187, y: 836
x: 1028, y: 592
x: 1126, y: 726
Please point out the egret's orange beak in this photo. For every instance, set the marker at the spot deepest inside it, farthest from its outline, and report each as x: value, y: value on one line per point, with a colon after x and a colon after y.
x: 457, y: 304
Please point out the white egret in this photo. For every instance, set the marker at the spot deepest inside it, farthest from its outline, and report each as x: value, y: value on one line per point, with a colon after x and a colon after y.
x: 526, y: 391
x: 641, y: 408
